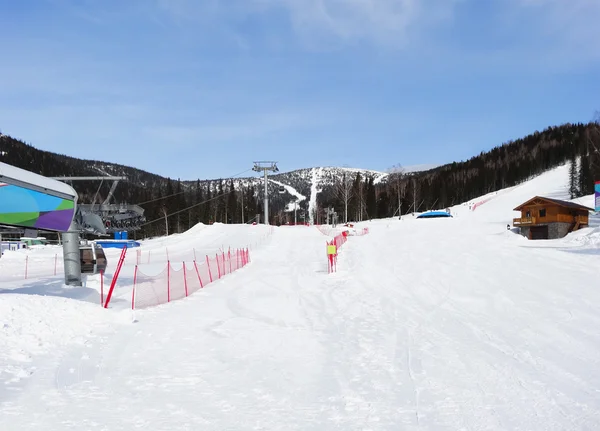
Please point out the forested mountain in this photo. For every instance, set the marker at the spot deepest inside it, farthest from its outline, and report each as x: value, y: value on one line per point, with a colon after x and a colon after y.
x: 504, y: 166
x: 365, y: 194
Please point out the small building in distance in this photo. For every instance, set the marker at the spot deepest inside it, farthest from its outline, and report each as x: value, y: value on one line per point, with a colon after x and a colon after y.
x: 545, y: 218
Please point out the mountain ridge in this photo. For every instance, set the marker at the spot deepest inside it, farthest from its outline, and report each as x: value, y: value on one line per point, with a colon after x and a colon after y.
x: 372, y: 193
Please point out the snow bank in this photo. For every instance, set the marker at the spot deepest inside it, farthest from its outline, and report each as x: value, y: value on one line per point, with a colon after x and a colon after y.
x: 33, y: 325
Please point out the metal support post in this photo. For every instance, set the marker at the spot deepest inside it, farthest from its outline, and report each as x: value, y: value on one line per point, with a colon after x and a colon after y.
x: 266, y: 199
x: 265, y: 167
x: 72, y: 262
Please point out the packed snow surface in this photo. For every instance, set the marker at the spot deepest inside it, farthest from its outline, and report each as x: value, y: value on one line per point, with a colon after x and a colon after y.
x: 441, y: 324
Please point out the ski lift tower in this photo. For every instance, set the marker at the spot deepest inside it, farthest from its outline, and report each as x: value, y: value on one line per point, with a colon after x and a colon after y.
x: 266, y: 167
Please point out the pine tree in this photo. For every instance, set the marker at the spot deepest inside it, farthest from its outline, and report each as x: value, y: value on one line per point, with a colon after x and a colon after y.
x: 585, y: 180
x: 220, y: 204
x: 207, y: 213
x: 371, y: 199
x: 199, y: 198
x: 573, y: 178
x: 169, y: 205
x: 383, y: 205
x: 232, y: 207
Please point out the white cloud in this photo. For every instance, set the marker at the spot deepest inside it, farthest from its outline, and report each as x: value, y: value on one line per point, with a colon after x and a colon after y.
x: 242, y: 128
x: 383, y: 22
x: 567, y: 30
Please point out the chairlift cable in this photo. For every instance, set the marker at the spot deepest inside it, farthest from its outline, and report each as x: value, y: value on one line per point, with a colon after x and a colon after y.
x: 184, y: 191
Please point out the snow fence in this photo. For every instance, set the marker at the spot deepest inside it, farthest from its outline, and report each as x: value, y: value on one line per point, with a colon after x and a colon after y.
x: 28, y: 266
x: 178, y: 281
x: 334, y: 246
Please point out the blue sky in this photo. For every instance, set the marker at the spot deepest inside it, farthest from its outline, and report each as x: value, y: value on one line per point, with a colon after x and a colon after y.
x: 201, y: 88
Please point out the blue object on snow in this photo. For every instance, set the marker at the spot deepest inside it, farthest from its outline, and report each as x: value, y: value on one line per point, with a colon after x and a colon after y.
x: 108, y: 243
x: 435, y: 214
x: 121, y: 234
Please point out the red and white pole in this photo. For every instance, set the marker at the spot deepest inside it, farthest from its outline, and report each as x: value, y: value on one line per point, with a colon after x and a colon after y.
x: 185, y: 280
x: 209, y: 271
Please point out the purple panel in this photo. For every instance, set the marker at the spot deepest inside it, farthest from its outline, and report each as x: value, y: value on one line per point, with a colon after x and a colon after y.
x: 55, y: 220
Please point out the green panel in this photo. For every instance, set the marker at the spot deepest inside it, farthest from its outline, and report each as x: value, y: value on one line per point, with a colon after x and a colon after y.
x: 25, y: 219
x: 66, y: 205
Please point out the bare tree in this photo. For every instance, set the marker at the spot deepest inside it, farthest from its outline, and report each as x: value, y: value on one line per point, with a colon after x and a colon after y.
x: 399, y: 185
x: 165, y: 214
x: 343, y: 189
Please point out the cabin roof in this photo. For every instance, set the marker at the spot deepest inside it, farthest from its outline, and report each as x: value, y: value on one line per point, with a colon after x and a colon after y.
x: 557, y: 202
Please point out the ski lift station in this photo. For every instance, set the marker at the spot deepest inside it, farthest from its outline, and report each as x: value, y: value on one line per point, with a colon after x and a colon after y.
x: 36, y: 203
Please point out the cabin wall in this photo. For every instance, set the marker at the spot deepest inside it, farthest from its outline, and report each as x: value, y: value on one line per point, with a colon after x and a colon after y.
x: 584, y: 216
x: 554, y: 211
x: 555, y: 230
x: 558, y: 230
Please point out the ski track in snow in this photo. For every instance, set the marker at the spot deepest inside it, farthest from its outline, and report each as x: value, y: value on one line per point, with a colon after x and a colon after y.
x: 293, y: 192
x: 442, y: 324
x: 313, y: 193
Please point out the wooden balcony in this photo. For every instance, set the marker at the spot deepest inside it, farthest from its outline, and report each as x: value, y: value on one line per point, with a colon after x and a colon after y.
x: 524, y: 221
x: 560, y: 218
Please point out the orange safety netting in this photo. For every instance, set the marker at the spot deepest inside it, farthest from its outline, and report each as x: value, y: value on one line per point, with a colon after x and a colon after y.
x: 178, y: 281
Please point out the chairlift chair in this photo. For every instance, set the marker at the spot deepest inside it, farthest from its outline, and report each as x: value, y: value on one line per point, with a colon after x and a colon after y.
x: 92, y: 258
x: 281, y: 189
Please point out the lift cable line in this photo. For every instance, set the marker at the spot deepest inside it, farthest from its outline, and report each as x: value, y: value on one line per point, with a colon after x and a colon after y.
x: 185, y: 209
x: 185, y: 191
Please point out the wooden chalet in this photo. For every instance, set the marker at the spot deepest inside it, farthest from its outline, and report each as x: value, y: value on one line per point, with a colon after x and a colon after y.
x: 545, y: 218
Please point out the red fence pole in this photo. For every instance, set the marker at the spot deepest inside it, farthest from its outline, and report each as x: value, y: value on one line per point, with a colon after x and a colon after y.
x: 224, y: 263
x: 168, y: 281
x: 229, y: 258
x: 133, y: 291
x: 185, y: 280
x: 115, y: 276
x: 218, y: 266
x: 198, y: 274
x: 209, y: 271
x: 101, y: 287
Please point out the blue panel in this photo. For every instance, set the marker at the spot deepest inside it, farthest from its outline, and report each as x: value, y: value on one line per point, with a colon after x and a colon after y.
x: 434, y: 214
x: 22, y: 200
x: 17, y: 200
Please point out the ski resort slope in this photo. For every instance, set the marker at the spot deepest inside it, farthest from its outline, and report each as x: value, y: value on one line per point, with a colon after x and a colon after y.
x: 497, y: 207
x: 429, y: 324
x: 292, y: 191
x: 440, y: 324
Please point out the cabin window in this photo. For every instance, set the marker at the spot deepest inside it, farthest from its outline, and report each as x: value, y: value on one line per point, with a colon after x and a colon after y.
x: 543, y: 212
x: 528, y: 214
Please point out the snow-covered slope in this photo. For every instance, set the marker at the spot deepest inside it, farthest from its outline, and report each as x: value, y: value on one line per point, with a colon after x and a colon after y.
x: 292, y: 191
x: 498, y: 206
x: 440, y: 324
